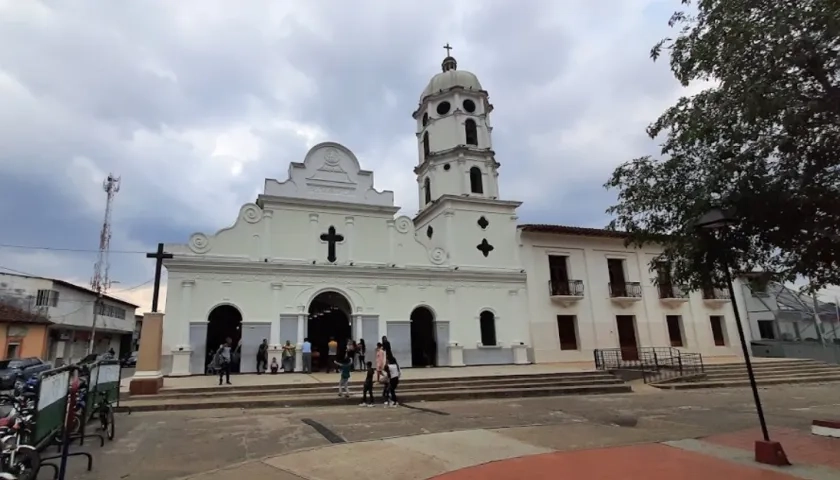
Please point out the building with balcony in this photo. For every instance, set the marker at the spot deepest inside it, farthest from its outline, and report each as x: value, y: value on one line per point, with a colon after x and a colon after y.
x: 70, y: 309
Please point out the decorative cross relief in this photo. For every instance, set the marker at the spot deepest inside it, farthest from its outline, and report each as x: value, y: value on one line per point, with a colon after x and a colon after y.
x: 485, y: 247
x: 332, y: 238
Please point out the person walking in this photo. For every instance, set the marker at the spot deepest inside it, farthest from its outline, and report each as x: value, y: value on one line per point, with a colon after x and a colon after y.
x: 344, y: 382
x: 224, y: 356
x: 306, y: 354
x: 332, y: 351
x: 360, y: 352
x: 262, y: 357
x: 393, y: 380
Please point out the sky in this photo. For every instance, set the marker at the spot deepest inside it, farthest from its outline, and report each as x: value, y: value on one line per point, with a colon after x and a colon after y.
x: 192, y: 103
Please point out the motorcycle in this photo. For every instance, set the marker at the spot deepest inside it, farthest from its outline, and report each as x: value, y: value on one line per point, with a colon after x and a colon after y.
x: 18, y: 461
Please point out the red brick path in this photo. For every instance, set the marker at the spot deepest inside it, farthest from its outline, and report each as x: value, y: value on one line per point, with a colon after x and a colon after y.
x: 800, y: 447
x: 647, y: 462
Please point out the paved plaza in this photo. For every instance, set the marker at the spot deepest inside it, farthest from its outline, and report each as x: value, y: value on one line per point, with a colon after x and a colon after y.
x: 458, y: 439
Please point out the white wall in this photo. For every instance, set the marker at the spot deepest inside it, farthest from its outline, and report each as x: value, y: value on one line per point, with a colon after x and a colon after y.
x: 21, y: 291
x: 596, y: 312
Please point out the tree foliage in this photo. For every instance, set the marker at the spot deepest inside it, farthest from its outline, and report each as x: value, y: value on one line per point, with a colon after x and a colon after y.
x: 762, y: 141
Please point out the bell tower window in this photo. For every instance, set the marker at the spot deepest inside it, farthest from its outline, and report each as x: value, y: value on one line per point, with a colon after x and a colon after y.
x: 426, y: 145
x: 427, y: 190
x: 425, y: 119
x: 471, y: 131
x: 475, y: 180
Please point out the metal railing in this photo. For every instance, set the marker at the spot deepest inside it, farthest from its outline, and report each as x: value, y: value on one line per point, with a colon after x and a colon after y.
x: 716, y: 294
x: 657, y: 364
x: 626, y: 290
x: 567, y: 288
x: 667, y: 291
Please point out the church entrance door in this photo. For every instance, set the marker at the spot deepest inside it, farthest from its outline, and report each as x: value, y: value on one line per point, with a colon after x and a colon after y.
x: 423, y: 343
x: 225, y: 321
x: 329, y: 317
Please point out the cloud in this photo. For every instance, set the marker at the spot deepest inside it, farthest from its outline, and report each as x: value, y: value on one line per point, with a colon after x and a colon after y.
x: 193, y: 103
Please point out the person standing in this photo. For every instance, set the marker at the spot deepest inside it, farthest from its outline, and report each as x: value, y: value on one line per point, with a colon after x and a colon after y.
x: 380, y: 361
x: 393, y: 380
x: 368, y: 387
x: 344, y: 382
x: 387, y: 346
x: 288, y: 357
x: 360, y: 351
x: 350, y: 353
x: 224, y: 355
x: 306, y: 354
x: 262, y: 357
x: 332, y: 351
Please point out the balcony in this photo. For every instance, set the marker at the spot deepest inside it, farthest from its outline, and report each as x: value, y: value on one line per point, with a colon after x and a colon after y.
x: 716, y: 296
x: 672, y: 294
x: 565, y: 292
x: 626, y: 293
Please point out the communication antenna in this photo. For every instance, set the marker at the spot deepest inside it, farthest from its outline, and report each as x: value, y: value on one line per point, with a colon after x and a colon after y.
x: 100, y: 283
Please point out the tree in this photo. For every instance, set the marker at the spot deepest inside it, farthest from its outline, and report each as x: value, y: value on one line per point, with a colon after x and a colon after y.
x: 763, y: 142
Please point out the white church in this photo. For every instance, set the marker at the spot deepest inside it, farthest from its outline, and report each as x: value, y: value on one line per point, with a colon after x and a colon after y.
x: 320, y: 255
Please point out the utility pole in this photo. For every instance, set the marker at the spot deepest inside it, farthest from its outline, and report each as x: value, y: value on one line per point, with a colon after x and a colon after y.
x: 101, y: 281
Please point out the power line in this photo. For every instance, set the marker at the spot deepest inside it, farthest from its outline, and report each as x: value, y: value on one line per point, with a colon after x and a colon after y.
x: 61, y: 249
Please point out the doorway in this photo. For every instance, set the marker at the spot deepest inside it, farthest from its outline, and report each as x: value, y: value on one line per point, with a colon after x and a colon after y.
x: 423, y: 343
x: 627, y: 337
x: 329, y: 318
x: 225, y: 321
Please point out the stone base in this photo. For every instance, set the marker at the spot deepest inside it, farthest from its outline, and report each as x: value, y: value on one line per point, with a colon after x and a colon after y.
x: 180, y: 362
x: 770, y: 453
x: 456, y: 355
x: 520, y: 354
x: 826, y: 428
x: 145, y: 386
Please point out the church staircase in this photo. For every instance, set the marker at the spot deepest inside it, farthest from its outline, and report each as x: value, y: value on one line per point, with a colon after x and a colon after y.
x: 410, y: 391
x: 777, y: 372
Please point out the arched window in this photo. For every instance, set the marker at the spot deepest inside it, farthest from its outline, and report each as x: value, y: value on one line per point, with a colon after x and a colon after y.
x: 427, y: 190
x: 488, y: 328
x: 475, y: 180
x: 472, y: 132
x: 425, y: 119
x: 425, y: 145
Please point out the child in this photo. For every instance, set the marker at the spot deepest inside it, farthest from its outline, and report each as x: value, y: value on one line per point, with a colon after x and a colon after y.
x: 344, y: 382
x: 368, y: 388
x: 274, y: 365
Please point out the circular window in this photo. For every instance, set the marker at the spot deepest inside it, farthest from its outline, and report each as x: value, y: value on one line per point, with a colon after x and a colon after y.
x: 425, y: 119
x: 446, y: 167
x: 443, y: 108
x: 469, y: 105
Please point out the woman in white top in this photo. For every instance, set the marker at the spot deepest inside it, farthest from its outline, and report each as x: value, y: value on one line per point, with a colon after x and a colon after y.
x: 394, y: 380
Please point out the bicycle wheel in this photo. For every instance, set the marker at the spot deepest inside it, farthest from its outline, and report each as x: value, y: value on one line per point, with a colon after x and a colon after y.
x: 106, y: 418
x: 74, y: 424
x: 27, y: 464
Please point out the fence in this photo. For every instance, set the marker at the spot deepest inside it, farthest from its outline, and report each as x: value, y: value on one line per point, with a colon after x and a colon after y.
x: 657, y: 364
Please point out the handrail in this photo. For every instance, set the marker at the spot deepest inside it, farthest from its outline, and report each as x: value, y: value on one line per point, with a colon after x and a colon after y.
x: 655, y: 363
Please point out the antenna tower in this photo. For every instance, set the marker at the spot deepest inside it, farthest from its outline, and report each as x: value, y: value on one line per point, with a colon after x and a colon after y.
x: 100, y: 283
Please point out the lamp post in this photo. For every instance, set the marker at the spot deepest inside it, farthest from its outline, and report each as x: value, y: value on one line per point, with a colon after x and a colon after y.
x: 767, y: 451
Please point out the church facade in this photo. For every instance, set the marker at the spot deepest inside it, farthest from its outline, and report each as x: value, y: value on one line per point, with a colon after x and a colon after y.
x: 321, y: 255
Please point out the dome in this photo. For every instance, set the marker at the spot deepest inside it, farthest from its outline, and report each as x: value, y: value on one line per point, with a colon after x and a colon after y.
x: 451, y: 77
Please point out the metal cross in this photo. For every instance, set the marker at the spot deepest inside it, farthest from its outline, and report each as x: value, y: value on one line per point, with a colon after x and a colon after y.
x: 331, y: 238
x: 159, y: 257
x: 448, y: 48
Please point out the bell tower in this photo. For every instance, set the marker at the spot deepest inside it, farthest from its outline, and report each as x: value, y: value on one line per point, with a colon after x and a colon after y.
x: 454, y: 142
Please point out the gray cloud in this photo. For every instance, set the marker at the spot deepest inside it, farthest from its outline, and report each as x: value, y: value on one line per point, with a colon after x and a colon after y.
x: 194, y: 103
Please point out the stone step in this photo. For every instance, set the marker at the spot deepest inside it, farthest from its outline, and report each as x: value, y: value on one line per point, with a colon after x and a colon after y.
x: 331, y: 388
x: 142, y: 404
x: 745, y: 382
x: 765, y: 365
x: 773, y: 373
x: 357, y: 377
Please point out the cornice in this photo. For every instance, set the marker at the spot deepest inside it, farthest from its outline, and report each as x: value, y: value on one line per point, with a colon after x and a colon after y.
x: 455, y: 153
x: 274, y: 201
x: 445, y: 201
x: 201, y: 264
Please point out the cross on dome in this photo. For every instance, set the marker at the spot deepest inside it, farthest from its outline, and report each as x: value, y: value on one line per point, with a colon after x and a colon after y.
x: 448, y: 48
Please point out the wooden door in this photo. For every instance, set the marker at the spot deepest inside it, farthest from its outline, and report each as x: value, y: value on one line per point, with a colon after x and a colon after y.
x: 627, y: 337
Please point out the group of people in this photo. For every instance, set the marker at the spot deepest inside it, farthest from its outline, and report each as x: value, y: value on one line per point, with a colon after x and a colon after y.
x: 385, y: 371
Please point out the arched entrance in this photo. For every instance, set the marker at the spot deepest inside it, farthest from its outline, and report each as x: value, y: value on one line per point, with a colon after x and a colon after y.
x: 329, y: 317
x: 423, y: 343
x: 224, y: 321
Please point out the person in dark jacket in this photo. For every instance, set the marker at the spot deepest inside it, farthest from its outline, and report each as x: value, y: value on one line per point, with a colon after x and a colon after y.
x: 262, y: 357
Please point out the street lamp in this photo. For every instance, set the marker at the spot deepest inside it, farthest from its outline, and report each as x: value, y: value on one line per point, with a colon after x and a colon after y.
x: 767, y: 451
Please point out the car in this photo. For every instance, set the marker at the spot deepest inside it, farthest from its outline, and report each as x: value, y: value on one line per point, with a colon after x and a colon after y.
x: 20, y: 369
x: 130, y: 360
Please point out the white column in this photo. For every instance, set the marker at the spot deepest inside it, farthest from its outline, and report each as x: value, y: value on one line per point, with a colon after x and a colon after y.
x: 315, y: 244
x: 186, y: 314
x: 357, y: 326
x: 390, y: 226
x: 274, y: 340
x: 348, y: 238
x: 266, y: 240
x: 450, y: 236
x: 299, y: 349
x: 465, y: 188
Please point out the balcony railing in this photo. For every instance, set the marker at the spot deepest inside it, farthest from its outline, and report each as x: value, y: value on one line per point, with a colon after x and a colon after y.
x: 626, y: 290
x: 716, y: 294
x: 672, y: 292
x: 567, y: 288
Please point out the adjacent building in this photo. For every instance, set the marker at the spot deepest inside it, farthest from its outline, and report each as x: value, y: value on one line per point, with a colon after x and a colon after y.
x: 22, y: 333
x: 320, y: 255
x: 70, y: 309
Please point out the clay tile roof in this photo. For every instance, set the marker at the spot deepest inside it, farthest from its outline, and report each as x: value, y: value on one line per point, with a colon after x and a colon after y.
x: 11, y: 314
x: 567, y: 230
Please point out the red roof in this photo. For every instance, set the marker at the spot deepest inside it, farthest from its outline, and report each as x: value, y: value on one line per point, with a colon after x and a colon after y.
x: 11, y: 314
x: 567, y: 230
